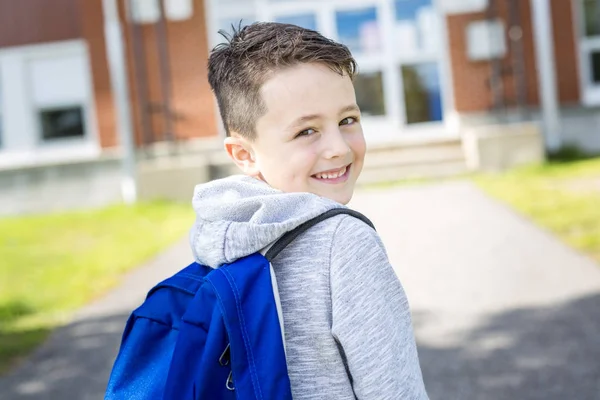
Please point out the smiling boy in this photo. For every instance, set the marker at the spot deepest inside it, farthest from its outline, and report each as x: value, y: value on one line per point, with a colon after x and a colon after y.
x: 288, y: 105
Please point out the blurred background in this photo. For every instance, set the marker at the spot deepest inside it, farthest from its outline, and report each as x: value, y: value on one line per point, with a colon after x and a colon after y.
x: 482, y: 119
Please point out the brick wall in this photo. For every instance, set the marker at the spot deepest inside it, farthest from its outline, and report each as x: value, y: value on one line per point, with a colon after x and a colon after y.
x: 93, y: 33
x: 565, y: 51
x: 25, y: 22
x: 191, y: 98
x: 472, y: 89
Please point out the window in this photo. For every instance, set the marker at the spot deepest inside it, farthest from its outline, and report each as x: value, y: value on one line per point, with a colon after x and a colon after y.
x: 60, y: 123
x: 422, y: 93
x: 145, y: 11
x: 396, y: 43
x: 179, y: 10
x: 463, y: 6
x: 308, y: 21
x: 148, y: 11
x: 59, y: 96
x: 1, y: 111
x: 485, y: 40
x: 595, y: 67
x: 416, y: 26
x: 589, y: 45
x: 416, y: 35
x: 369, y: 93
x: 359, y: 29
x: 591, y: 12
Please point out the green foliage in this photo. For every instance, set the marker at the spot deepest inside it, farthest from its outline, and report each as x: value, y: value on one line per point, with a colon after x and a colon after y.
x: 562, y: 197
x: 53, y: 264
x: 569, y: 153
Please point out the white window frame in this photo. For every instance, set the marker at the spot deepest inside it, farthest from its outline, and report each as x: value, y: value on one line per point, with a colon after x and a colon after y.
x: 32, y: 149
x: 2, y: 100
x: 148, y: 12
x: 590, y: 93
x: 53, y: 52
x: 394, y: 122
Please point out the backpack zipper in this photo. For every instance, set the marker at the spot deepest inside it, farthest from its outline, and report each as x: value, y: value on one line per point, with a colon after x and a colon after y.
x: 224, y: 361
x: 225, y: 357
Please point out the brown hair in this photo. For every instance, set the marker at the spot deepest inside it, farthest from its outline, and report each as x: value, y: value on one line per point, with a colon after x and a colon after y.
x: 238, y: 68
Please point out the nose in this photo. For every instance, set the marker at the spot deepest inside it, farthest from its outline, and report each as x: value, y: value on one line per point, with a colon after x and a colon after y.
x: 336, y: 144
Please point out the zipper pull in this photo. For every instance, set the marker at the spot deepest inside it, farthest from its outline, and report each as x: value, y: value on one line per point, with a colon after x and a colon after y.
x: 225, y: 357
x: 229, y: 384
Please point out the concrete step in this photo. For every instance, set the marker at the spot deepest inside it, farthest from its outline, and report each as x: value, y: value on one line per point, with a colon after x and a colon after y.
x: 384, y: 162
x: 394, y: 173
x: 413, y: 155
x: 396, y: 161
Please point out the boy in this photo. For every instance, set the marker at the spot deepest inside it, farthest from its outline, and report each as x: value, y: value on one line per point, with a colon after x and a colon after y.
x: 288, y: 105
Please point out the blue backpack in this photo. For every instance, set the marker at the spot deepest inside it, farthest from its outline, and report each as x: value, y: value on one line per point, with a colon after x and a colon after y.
x: 209, y: 333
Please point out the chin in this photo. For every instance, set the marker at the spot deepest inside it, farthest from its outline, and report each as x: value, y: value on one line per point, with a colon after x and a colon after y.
x: 341, y: 198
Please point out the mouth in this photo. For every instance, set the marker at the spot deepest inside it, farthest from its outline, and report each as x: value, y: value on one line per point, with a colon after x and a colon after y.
x: 333, y: 176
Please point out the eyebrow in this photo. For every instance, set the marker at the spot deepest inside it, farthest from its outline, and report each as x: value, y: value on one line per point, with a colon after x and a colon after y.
x: 312, y: 117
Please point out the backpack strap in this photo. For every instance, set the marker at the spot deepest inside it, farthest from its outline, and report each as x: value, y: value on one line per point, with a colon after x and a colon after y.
x: 293, y: 234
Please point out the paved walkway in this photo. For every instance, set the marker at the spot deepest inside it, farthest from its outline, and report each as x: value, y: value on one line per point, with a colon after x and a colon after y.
x: 502, y: 310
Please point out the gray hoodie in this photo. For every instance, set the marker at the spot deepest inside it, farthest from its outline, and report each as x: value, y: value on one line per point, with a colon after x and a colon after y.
x: 348, y: 331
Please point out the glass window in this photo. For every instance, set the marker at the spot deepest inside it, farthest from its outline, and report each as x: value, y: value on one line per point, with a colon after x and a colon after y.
x: 595, y: 67
x: 66, y: 122
x: 590, y: 50
x: 148, y: 11
x: 145, y: 11
x: 416, y: 27
x: 591, y: 11
x: 308, y: 21
x: 369, y: 93
x: 179, y: 10
x: 359, y: 29
x: 410, y: 9
x: 1, y: 121
x: 422, y: 93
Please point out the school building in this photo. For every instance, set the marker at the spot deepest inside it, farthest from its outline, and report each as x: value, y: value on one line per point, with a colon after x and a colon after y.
x: 431, y: 71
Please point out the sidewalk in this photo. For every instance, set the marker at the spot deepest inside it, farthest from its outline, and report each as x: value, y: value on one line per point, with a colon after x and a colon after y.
x: 502, y: 310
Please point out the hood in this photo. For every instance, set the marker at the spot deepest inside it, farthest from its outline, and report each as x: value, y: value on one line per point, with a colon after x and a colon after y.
x: 239, y: 215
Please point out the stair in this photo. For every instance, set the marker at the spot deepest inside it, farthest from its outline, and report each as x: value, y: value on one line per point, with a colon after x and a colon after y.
x: 384, y: 162
x: 395, y: 161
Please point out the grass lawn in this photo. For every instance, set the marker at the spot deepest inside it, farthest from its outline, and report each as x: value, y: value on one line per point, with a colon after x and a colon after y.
x: 562, y: 197
x: 52, y: 264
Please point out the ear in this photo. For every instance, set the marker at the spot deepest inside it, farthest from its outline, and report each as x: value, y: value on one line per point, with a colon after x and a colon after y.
x: 241, y: 152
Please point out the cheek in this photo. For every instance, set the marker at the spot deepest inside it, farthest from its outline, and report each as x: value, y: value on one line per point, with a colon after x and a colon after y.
x: 358, y: 145
x: 287, y: 167
x: 304, y: 162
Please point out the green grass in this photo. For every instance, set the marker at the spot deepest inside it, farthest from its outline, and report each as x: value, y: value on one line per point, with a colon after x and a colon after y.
x: 562, y: 197
x: 52, y: 264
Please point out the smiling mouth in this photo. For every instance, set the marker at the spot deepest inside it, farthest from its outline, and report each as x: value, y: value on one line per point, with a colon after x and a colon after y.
x: 334, y: 176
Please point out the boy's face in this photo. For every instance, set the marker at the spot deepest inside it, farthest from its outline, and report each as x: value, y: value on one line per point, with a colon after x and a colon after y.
x: 310, y: 139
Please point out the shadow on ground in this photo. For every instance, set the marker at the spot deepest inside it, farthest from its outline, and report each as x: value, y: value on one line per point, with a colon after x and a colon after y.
x: 73, y: 364
x: 527, y: 354
x: 16, y: 342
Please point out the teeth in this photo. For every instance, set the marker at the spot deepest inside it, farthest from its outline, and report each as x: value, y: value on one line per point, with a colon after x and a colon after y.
x: 332, y: 175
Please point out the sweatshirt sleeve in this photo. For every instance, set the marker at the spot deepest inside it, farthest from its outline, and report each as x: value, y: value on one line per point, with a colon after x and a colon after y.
x: 371, y: 317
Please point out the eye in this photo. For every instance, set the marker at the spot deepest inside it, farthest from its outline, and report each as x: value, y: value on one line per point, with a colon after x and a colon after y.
x: 306, y: 132
x: 349, y: 121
